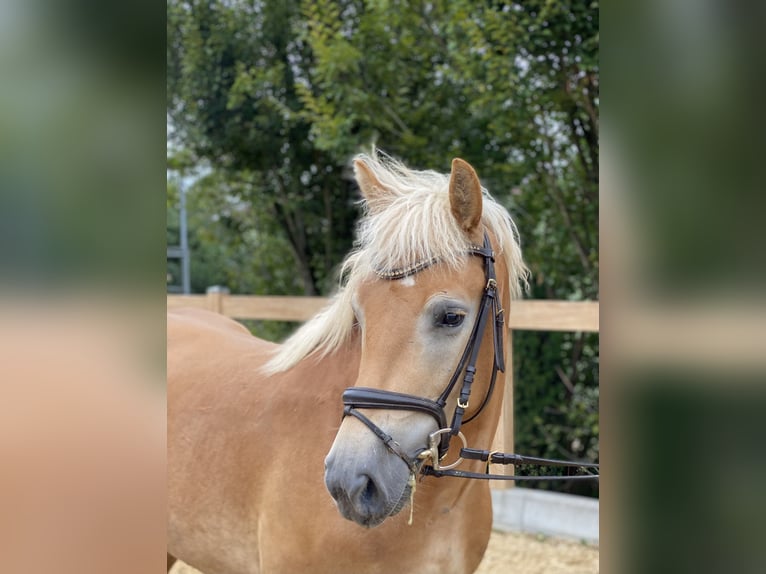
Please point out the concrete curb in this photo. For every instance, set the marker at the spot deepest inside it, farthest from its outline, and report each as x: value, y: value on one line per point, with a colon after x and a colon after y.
x: 543, y: 512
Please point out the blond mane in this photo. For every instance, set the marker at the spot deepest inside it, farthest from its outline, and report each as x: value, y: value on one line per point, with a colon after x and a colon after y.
x: 411, y: 223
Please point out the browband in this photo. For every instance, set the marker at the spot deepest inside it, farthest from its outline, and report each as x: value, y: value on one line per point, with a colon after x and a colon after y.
x: 403, y: 272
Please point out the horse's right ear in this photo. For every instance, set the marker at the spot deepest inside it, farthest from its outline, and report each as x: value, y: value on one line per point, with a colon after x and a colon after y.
x: 465, y: 197
x: 373, y: 191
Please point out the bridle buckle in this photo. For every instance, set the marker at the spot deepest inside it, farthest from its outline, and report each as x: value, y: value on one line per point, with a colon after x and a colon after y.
x: 489, y: 460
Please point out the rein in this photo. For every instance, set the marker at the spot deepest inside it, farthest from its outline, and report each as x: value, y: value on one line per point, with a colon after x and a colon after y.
x: 490, y: 310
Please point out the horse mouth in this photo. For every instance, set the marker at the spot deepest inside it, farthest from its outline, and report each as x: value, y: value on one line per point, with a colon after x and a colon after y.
x: 406, y: 495
x: 402, y: 502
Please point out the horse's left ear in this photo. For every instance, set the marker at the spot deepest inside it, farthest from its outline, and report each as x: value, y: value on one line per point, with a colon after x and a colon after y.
x: 465, y: 196
x: 375, y: 194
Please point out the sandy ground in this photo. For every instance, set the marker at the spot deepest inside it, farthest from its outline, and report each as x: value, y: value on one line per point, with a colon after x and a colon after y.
x: 530, y: 554
x: 520, y: 554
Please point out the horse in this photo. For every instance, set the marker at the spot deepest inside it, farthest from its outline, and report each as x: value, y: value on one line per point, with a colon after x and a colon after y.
x: 267, y: 469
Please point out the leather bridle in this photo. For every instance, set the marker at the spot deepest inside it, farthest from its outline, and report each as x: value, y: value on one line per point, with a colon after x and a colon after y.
x: 490, y: 310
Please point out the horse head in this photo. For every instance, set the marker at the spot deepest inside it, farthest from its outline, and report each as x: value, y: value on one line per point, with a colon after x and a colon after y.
x: 416, y: 289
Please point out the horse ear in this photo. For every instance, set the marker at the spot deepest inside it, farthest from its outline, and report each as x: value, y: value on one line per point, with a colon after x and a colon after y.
x: 373, y: 191
x: 465, y: 196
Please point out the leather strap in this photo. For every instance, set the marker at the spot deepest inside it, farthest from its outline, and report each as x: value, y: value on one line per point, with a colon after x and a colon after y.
x: 387, y: 439
x: 492, y: 457
x: 510, y: 458
x: 366, y: 398
x: 470, y: 369
x: 429, y: 470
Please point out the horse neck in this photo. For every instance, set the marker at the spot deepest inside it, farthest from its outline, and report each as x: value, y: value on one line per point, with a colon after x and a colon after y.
x: 337, y: 370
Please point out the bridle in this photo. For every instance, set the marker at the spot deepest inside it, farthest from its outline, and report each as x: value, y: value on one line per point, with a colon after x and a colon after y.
x: 490, y: 310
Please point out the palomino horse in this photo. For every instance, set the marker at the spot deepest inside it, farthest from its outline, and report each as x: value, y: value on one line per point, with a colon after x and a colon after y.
x: 256, y: 433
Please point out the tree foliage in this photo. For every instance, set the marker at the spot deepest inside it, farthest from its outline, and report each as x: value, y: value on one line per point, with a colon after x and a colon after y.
x: 232, y: 70
x: 278, y: 94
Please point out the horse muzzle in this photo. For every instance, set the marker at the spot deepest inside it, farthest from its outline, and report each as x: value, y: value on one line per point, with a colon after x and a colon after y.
x: 367, y: 491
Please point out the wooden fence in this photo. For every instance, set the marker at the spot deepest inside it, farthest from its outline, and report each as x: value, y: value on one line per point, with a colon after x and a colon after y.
x: 541, y: 315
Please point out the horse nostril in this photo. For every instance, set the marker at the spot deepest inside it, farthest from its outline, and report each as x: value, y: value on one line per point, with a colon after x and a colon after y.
x: 364, y: 490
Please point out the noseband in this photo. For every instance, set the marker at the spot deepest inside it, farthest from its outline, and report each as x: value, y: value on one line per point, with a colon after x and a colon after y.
x: 490, y: 310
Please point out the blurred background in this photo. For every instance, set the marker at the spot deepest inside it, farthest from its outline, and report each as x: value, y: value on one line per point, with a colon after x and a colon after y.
x: 82, y: 287
x: 268, y: 102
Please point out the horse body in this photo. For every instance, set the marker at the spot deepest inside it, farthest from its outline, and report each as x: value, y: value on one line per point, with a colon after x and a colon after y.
x: 245, y: 467
x: 264, y: 472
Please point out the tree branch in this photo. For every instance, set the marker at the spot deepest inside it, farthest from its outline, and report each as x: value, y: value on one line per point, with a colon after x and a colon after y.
x: 565, y: 379
x: 296, y: 237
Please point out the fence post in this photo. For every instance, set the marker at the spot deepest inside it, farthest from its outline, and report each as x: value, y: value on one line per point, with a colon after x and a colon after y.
x: 504, y: 438
x: 508, y: 434
x: 215, y: 294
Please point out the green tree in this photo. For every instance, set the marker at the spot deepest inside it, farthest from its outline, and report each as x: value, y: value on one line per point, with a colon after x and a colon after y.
x: 232, y: 100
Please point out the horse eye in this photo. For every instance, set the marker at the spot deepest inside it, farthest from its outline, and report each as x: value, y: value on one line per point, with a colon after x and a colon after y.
x: 451, y: 319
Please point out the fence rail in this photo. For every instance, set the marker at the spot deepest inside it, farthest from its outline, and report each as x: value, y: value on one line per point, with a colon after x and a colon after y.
x: 537, y: 315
